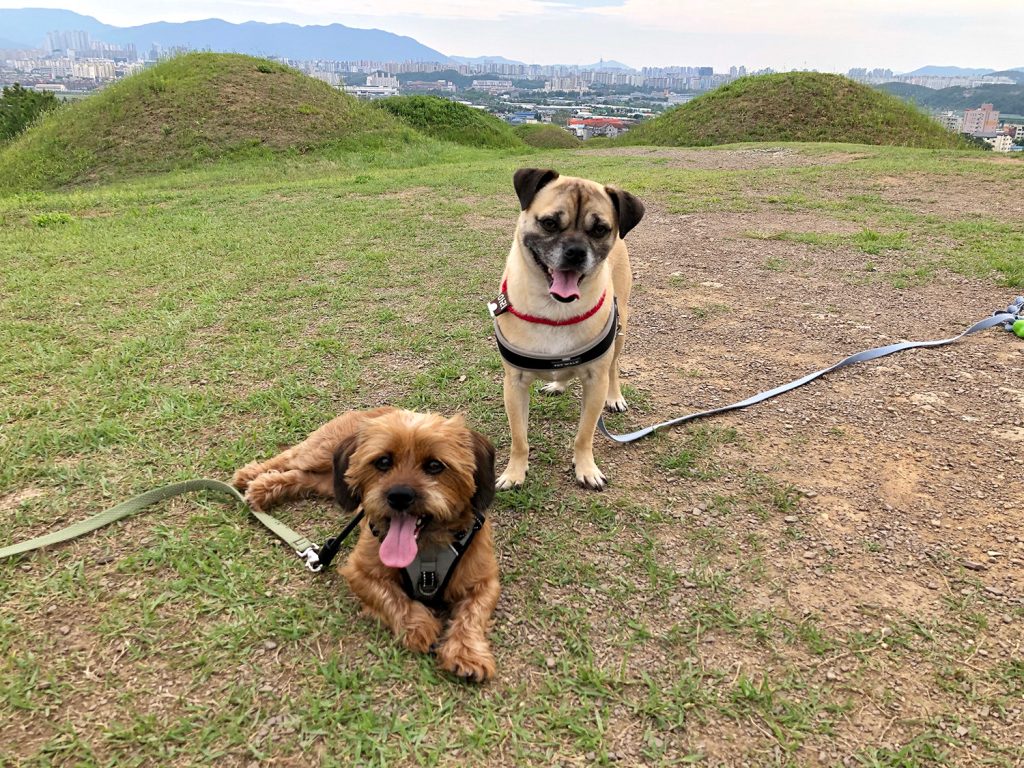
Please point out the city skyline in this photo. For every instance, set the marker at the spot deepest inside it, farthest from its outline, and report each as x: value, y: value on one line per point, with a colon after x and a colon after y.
x: 902, y: 35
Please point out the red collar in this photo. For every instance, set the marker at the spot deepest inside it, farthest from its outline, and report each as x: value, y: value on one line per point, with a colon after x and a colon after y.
x: 544, y: 320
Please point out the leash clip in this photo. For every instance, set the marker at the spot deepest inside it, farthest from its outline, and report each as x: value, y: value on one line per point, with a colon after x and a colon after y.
x: 1015, y: 324
x: 311, y: 558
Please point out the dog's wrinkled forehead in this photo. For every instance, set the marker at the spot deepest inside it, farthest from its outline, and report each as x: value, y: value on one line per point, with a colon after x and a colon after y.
x: 577, y: 203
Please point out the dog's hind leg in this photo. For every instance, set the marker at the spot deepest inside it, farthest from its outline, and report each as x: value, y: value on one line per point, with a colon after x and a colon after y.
x: 309, y: 455
x: 314, y: 454
x: 247, y: 474
x: 555, y: 387
x: 272, y: 487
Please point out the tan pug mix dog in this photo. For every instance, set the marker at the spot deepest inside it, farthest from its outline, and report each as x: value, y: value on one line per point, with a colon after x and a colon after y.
x: 567, y: 269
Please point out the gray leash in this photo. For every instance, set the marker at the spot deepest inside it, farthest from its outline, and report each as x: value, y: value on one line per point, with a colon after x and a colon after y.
x: 1008, y: 318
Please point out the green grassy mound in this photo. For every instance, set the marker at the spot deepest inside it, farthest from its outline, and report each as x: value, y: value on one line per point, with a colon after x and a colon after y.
x: 546, y: 136
x: 450, y: 121
x: 186, y: 110
x: 795, y: 106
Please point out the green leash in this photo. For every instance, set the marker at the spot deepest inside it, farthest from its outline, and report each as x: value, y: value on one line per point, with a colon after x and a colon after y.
x: 302, y: 546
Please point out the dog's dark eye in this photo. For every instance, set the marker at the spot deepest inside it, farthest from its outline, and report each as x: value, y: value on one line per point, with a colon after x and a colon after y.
x: 599, y: 230
x: 383, y: 463
x: 433, y: 467
x: 549, y: 223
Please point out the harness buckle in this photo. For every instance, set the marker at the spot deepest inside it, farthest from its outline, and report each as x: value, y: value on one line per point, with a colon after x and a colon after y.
x: 428, y: 583
x: 311, y: 558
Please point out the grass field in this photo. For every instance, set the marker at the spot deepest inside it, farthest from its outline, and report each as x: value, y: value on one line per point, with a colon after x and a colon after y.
x: 181, y: 325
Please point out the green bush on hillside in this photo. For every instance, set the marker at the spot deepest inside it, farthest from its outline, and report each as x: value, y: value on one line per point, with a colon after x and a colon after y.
x: 546, y: 136
x: 450, y: 121
x: 19, y: 108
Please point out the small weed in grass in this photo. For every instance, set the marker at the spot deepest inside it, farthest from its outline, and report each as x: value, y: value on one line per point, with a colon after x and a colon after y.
x: 873, y: 243
x: 927, y: 748
x: 695, y: 460
x: 53, y: 219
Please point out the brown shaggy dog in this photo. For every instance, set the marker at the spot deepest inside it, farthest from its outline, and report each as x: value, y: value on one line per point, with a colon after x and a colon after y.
x: 422, y: 481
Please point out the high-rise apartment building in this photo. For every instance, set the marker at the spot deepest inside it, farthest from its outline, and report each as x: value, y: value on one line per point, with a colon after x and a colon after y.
x: 75, y: 40
x: 985, y: 119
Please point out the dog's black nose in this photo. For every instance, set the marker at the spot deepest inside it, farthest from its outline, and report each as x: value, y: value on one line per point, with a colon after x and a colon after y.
x: 401, y: 497
x: 575, y: 255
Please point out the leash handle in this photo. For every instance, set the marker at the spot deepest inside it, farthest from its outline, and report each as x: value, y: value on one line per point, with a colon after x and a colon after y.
x: 306, y: 550
x: 1009, y: 318
x: 122, y: 510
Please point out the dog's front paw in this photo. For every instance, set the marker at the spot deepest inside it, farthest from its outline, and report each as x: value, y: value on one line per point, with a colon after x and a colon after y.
x: 246, y: 475
x: 421, y: 630
x: 616, y: 405
x: 512, y: 477
x: 263, y: 490
x: 475, y: 664
x: 589, y: 476
x: 554, y: 388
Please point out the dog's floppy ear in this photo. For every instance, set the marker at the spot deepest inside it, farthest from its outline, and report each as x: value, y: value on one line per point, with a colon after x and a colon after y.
x: 483, y: 451
x: 348, y: 497
x: 529, y: 181
x: 628, y: 208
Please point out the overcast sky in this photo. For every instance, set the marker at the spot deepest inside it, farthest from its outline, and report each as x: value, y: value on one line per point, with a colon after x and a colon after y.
x: 829, y: 35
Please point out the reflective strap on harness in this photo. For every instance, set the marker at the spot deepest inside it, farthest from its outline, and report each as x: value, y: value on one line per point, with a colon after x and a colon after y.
x: 1003, y: 317
x: 527, y: 361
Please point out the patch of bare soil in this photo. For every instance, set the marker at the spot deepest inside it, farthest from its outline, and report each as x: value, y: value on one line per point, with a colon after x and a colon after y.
x: 13, y: 500
x: 731, y: 159
x: 907, y: 468
x: 920, y: 194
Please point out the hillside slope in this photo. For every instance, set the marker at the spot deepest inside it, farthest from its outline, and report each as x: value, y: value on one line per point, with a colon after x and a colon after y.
x: 794, y: 106
x: 450, y: 121
x: 183, y: 111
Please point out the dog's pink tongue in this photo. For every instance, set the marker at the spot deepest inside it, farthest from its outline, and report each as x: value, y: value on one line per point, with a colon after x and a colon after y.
x: 399, y: 547
x: 565, y: 283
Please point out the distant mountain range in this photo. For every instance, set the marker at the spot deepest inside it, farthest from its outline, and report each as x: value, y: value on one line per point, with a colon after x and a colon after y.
x: 607, y: 66
x: 28, y: 27
x: 484, y: 60
x: 936, y: 71
x: 1005, y: 98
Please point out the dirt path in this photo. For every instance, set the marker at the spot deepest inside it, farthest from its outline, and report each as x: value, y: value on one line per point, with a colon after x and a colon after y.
x: 907, y: 469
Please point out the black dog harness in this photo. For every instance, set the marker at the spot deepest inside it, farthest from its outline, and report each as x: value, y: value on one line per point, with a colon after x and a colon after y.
x: 529, y: 361
x: 426, y: 577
